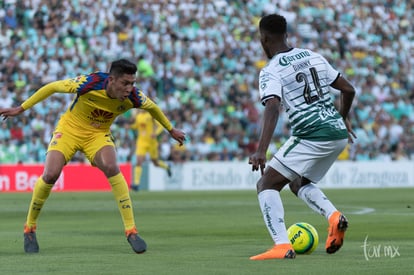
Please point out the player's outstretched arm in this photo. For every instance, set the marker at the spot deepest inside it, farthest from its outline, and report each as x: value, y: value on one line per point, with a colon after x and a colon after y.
x: 12, y: 111
x: 178, y: 135
x: 40, y: 95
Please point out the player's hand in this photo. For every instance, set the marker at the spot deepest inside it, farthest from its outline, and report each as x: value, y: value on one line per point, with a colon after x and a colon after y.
x: 178, y: 135
x: 258, y: 160
x: 13, y: 111
x: 351, y: 134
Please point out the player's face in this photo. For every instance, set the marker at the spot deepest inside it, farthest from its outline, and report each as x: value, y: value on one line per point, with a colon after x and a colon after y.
x: 121, y: 87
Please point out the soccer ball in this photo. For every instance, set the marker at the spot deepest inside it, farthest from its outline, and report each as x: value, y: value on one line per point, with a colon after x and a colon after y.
x: 303, y: 237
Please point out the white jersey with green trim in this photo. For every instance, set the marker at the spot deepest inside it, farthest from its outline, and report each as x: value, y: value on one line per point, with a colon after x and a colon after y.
x: 301, y: 79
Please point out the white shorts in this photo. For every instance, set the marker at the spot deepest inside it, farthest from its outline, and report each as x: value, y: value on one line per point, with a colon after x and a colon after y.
x: 304, y: 158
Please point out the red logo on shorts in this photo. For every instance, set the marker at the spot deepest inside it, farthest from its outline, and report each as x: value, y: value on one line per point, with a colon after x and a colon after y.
x: 58, y: 135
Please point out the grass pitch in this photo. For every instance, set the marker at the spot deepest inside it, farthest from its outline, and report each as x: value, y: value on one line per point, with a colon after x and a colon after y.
x: 211, y: 232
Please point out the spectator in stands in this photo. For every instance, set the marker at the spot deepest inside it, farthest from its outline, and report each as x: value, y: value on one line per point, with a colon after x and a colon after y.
x: 6, y: 99
x: 5, y: 132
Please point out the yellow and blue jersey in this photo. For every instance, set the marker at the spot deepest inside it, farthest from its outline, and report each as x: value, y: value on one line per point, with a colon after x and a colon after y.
x: 147, y: 128
x: 92, y: 109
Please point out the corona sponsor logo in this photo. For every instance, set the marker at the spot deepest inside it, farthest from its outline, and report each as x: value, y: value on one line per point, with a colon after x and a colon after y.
x: 97, y: 113
x: 286, y: 59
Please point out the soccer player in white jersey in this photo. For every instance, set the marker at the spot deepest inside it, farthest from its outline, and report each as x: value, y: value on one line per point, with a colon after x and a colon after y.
x: 299, y: 79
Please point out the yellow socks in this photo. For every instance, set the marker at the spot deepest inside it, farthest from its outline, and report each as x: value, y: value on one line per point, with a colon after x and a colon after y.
x: 121, y: 193
x: 162, y: 164
x: 120, y: 190
x: 41, y: 192
x: 137, y: 174
x: 138, y: 171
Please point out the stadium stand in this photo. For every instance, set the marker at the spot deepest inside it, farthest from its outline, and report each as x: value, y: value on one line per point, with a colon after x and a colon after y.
x: 200, y: 61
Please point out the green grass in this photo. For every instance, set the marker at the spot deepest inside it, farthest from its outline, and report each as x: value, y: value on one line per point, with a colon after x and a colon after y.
x: 211, y: 232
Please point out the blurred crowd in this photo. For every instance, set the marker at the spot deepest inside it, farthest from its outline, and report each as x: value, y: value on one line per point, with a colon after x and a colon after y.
x: 199, y: 60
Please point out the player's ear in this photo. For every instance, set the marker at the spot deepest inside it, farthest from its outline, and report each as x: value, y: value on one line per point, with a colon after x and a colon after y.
x: 111, y: 78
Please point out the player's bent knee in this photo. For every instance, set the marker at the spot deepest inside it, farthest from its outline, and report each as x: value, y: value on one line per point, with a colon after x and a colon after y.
x: 294, y: 187
x: 50, y: 178
x: 110, y: 170
x: 261, y: 186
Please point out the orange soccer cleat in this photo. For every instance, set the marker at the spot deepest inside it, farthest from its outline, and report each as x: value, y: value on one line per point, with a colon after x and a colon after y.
x: 279, y: 251
x: 336, y: 232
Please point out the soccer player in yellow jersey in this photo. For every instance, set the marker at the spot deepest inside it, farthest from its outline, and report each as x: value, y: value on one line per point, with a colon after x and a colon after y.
x: 85, y: 126
x: 148, y: 130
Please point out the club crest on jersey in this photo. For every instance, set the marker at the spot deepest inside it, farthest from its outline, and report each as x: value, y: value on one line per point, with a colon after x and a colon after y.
x: 286, y: 59
x: 264, y: 78
x: 80, y: 78
x: 97, y: 113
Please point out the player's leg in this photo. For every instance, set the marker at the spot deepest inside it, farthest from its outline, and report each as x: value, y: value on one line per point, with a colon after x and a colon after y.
x: 140, y: 159
x: 276, y: 176
x: 319, y: 202
x: 268, y: 189
x: 154, y: 155
x: 304, y: 189
x: 43, y: 186
x: 55, y: 161
x: 313, y: 196
x: 105, y: 160
x: 60, y: 150
x: 140, y: 154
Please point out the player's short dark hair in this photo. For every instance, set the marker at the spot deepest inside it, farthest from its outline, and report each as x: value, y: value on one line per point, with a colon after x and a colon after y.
x: 121, y: 67
x: 273, y: 24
